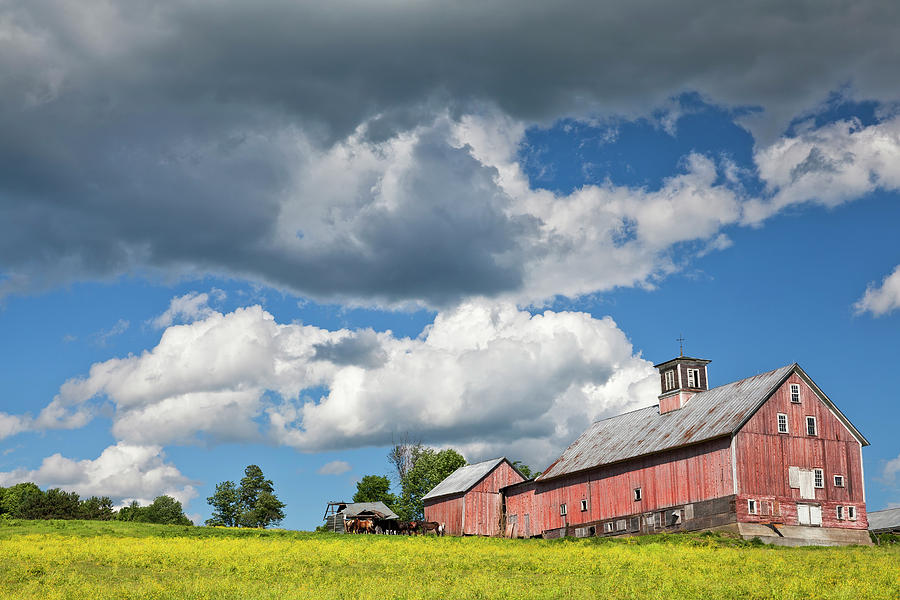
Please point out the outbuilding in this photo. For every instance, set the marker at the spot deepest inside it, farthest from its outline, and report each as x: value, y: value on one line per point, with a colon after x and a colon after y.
x: 468, y: 501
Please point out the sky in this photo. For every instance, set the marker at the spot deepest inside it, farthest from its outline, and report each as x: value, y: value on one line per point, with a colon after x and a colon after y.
x: 290, y: 233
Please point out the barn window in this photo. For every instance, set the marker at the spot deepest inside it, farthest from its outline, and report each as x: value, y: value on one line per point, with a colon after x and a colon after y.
x: 583, y: 505
x: 562, y: 510
x: 810, y: 426
x: 609, y: 527
x: 693, y: 378
x: 637, y: 494
x: 670, y: 379
x: 838, y: 481
x: 840, y: 513
x: 782, y: 423
x: 851, y: 513
x: 819, y: 478
x: 751, y: 507
x: 795, y: 393
x: 621, y: 525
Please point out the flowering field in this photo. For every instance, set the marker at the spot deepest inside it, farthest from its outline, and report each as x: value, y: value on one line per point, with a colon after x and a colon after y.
x: 79, y: 559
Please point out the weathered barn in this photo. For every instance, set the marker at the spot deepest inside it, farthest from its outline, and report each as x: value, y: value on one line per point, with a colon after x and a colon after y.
x: 768, y: 456
x: 468, y: 502
x: 885, y: 521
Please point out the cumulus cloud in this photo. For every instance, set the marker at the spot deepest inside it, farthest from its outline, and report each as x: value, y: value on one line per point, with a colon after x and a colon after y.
x: 483, y: 370
x: 883, y: 299
x: 828, y: 165
x: 335, y: 467
x: 891, y: 469
x: 124, y: 472
x: 186, y: 308
x: 187, y: 138
x: 13, y: 424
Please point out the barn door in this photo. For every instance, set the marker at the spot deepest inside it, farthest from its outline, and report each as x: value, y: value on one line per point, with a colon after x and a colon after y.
x: 803, y: 514
x: 807, y: 484
x: 815, y: 515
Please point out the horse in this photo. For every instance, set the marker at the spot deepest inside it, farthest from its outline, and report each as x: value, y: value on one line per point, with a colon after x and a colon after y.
x: 351, y: 525
x: 365, y: 526
x: 430, y: 526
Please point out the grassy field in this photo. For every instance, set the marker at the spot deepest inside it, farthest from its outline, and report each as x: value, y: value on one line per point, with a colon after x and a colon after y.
x: 79, y: 559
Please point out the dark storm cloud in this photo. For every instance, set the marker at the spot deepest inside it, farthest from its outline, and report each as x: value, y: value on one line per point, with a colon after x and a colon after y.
x: 169, y: 135
x: 361, y: 349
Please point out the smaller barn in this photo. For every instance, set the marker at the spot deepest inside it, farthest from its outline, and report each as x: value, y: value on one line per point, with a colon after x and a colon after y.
x: 885, y: 521
x: 338, y: 513
x: 469, y: 502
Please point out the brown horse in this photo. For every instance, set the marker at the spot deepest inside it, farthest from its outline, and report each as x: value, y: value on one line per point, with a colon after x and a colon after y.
x: 427, y: 526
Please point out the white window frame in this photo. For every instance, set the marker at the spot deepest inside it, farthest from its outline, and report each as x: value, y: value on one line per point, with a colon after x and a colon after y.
x: 839, y: 512
x: 851, y: 513
x: 583, y: 505
x: 563, y: 511
x: 795, y: 393
x: 815, y: 426
x: 638, y: 494
x: 819, y: 478
x: 693, y: 374
x: 782, y: 417
x: 752, y: 507
x: 841, y: 478
x: 609, y: 527
x: 670, y: 379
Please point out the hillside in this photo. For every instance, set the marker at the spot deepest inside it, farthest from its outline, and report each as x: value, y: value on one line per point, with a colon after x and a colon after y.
x: 83, y: 559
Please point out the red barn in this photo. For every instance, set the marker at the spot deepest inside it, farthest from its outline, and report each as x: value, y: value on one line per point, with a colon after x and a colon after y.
x: 768, y: 456
x: 468, y: 501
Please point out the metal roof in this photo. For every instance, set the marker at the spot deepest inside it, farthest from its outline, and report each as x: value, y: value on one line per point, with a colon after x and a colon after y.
x: 707, y: 415
x: 464, y: 478
x: 378, y: 509
x: 884, y: 519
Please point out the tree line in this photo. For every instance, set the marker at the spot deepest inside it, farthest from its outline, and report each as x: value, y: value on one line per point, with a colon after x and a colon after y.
x: 416, y: 469
x: 28, y: 501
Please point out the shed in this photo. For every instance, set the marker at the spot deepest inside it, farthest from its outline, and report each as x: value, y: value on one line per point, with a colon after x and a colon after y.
x: 468, y: 502
x: 885, y: 521
x: 338, y: 512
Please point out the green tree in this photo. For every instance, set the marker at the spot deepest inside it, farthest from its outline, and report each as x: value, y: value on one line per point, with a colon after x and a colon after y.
x: 96, y: 509
x: 429, y: 468
x: 19, y: 496
x: 226, y: 503
x: 525, y: 470
x: 132, y: 512
x: 375, y: 488
x: 268, y: 510
x: 167, y: 511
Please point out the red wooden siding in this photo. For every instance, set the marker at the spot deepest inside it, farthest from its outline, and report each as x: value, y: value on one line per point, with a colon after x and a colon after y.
x: 477, y: 512
x: 679, y: 476
x: 764, y: 455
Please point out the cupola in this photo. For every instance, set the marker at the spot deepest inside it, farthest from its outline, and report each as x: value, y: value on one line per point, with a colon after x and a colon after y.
x: 681, y: 378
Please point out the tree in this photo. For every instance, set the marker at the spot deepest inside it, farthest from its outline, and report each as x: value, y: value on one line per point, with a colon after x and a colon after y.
x: 403, y: 455
x: 252, y: 504
x: 96, y: 509
x: 226, y: 503
x: 268, y: 510
x: 429, y: 469
x: 166, y: 510
x: 14, y: 496
x: 375, y: 488
x: 132, y: 512
x: 525, y: 469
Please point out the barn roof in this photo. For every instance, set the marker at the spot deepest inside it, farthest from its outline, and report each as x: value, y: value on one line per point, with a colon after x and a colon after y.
x: 378, y: 509
x: 464, y: 478
x: 708, y: 415
x: 884, y: 519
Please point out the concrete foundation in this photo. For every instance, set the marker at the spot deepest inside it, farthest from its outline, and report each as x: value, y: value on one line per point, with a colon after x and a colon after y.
x: 798, y: 535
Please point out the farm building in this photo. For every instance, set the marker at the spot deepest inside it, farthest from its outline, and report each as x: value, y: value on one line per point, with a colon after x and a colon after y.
x: 468, y: 501
x: 885, y: 521
x: 338, y: 513
x: 768, y: 456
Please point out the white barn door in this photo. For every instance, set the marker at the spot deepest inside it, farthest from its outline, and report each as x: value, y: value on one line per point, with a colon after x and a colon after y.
x: 815, y: 515
x: 803, y: 514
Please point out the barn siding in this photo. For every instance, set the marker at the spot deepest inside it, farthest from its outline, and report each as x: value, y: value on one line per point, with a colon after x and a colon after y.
x: 447, y: 510
x: 764, y: 455
x: 679, y: 476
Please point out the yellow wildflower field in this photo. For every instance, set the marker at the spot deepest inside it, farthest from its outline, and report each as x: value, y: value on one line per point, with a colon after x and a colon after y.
x: 78, y: 559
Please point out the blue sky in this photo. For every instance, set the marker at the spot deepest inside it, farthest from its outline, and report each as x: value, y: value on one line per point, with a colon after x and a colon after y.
x: 204, y: 267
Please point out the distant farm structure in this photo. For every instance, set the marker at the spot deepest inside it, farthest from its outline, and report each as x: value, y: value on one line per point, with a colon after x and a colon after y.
x: 373, y: 518
x: 769, y: 456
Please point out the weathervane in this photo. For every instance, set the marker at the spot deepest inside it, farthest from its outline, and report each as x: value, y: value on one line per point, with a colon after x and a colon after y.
x: 680, y: 341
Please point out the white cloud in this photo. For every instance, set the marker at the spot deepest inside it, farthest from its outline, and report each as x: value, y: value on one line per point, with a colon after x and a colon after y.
x: 102, y: 337
x: 481, y: 371
x: 891, y: 469
x: 186, y: 308
x: 829, y: 165
x: 124, y: 472
x: 880, y: 300
x: 335, y: 467
x: 13, y: 424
